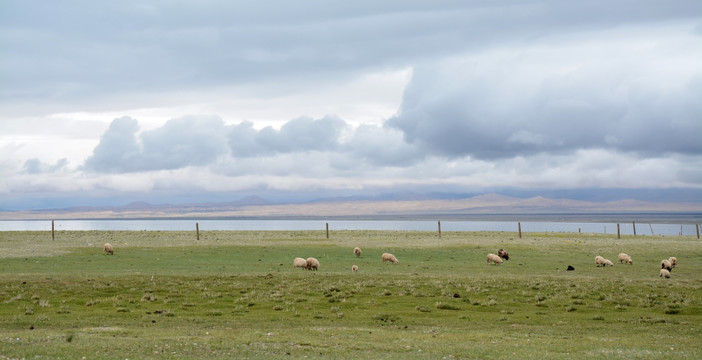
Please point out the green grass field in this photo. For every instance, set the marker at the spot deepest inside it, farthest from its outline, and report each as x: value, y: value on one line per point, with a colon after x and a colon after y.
x: 235, y: 295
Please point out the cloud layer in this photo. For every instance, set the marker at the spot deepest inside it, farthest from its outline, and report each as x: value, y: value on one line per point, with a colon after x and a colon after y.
x: 133, y: 99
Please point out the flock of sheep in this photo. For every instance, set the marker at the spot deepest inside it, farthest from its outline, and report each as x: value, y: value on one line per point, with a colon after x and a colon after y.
x: 311, y: 263
x: 667, y: 265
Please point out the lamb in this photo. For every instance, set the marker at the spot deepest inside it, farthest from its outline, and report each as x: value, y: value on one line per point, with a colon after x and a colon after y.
x: 312, y: 264
x: 354, y: 268
x: 300, y: 263
x: 390, y: 257
x: 108, y: 249
x: 503, y: 254
x: 607, y: 262
x: 665, y: 273
x: 357, y: 251
x: 626, y: 259
x: 673, y: 261
x: 666, y: 264
x: 494, y: 258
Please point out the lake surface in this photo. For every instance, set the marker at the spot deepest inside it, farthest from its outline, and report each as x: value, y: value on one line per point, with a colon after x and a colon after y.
x: 396, y: 225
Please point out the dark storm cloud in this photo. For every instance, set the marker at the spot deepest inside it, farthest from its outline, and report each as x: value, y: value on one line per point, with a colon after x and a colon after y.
x: 66, y: 52
x: 497, y: 109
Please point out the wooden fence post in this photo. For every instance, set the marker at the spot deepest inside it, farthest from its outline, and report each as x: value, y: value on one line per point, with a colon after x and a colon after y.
x: 439, y: 222
x: 327, y: 230
x: 618, y: 234
x: 633, y: 223
x: 519, y: 225
x: 697, y: 227
x: 53, y: 238
x: 197, y: 231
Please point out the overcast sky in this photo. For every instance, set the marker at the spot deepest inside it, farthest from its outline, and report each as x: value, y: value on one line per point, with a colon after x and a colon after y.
x: 107, y: 102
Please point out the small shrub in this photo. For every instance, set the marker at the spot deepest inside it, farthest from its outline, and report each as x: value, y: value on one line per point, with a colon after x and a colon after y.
x: 598, y: 317
x: 446, y: 306
x: 672, y: 310
x: 422, y: 308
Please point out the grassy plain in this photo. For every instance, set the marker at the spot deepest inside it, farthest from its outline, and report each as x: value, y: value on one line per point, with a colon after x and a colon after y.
x: 233, y: 294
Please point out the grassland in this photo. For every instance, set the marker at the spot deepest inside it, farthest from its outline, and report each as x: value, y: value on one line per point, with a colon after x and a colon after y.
x: 164, y: 295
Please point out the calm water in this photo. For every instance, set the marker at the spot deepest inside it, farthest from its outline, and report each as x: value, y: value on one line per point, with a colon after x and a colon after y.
x: 400, y: 225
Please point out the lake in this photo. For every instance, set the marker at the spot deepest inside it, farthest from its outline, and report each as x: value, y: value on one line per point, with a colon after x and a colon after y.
x: 395, y: 225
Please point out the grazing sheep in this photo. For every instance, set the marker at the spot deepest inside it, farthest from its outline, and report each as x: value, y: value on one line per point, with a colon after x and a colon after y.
x: 300, y: 263
x: 599, y: 260
x: 626, y: 259
x: 673, y: 261
x: 665, y: 273
x: 312, y: 264
x: 503, y: 254
x: 390, y: 257
x: 357, y: 251
x: 354, y: 268
x: 494, y: 258
x: 666, y: 264
x: 108, y: 249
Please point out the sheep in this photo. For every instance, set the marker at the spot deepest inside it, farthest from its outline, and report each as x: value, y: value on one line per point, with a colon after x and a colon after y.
x: 390, y: 257
x: 354, y: 268
x: 665, y: 273
x: 626, y: 259
x: 599, y: 260
x: 312, y: 264
x: 357, y: 251
x: 503, y: 254
x: 300, y: 263
x: 108, y: 249
x: 666, y: 264
x: 673, y: 261
x: 494, y: 258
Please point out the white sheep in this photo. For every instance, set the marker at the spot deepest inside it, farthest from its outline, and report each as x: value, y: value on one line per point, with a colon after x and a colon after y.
x: 108, y: 249
x: 666, y: 264
x: 599, y: 260
x: 607, y: 263
x: 626, y: 259
x: 665, y: 273
x: 357, y: 251
x: 673, y: 261
x: 312, y: 264
x: 390, y: 257
x: 300, y: 263
x: 494, y: 258
x: 354, y: 268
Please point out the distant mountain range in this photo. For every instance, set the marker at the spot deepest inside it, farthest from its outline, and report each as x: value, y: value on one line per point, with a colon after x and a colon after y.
x: 387, y: 206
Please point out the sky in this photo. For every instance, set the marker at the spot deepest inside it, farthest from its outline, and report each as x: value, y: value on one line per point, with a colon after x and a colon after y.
x: 108, y: 102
